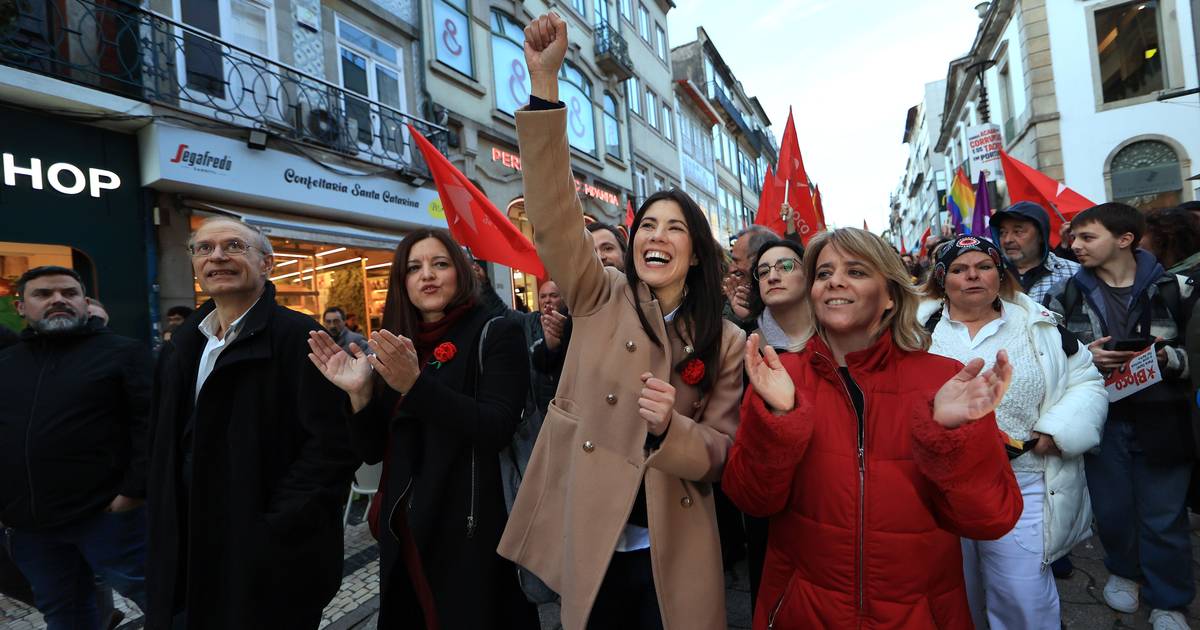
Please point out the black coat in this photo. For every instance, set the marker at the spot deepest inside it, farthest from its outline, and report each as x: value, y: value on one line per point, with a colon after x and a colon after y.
x: 256, y: 542
x: 73, y: 414
x: 442, y: 441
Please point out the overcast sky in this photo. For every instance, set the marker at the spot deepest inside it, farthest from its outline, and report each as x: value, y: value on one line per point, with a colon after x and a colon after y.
x: 850, y: 69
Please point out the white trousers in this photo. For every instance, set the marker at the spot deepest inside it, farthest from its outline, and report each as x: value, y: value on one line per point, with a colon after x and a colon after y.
x: 1007, y: 586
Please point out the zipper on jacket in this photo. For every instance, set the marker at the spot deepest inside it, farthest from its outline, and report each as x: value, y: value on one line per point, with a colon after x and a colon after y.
x: 862, y: 476
x: 787, y: 588
x: 471, y: 512
x: 37, y: 390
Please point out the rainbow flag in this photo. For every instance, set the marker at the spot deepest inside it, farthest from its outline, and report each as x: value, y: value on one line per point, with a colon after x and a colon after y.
x: 961, y: 202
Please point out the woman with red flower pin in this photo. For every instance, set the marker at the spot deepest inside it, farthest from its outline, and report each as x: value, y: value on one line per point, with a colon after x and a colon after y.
x: 423, y: 406
x: 616, y: 512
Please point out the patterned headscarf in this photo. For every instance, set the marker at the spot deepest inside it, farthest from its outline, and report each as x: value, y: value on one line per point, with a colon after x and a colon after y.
x: 949, y: 251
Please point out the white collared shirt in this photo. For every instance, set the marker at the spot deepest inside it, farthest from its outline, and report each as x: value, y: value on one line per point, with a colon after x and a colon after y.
x: 963, y: 334
x: 215, y: 346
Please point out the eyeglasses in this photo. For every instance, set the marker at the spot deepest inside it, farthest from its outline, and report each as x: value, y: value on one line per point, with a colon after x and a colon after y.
x: 784, y: 265
x: 231, y: 247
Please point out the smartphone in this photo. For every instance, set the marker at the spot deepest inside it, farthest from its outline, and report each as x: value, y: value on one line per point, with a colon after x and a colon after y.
x: 1132, y: 345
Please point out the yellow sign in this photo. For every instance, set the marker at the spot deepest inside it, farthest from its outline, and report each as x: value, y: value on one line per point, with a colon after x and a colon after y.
x: 435, y: 209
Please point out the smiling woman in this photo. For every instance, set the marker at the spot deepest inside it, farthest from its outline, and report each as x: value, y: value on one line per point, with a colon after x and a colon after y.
x: 620, y: 479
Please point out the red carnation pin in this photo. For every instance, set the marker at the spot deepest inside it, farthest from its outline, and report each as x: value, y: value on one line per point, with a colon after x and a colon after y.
x: 693, y: 372
x: 443, y: 353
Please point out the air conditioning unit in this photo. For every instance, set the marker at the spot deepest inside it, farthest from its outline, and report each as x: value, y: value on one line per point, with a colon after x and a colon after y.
x: 318, y: 124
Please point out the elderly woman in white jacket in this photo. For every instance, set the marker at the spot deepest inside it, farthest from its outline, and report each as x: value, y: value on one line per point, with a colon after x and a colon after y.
x: 1054, y: 411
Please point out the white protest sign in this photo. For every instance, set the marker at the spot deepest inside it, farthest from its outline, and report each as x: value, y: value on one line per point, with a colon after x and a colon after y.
x: 1137, y: 374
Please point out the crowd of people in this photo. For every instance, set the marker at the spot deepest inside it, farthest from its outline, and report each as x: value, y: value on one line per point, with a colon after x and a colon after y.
x: 889, y: 440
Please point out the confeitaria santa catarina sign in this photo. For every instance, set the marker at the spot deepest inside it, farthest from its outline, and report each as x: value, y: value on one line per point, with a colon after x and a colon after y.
x: 177, y: 159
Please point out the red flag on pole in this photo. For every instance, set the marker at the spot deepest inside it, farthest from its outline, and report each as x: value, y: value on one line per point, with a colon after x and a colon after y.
x: 924, y: 237
x: 628, y: 215
x: 769, y: 202
x: 473, y: 220
x: 792, y: 177
x: 903, y: 247
x: 1026, y: 183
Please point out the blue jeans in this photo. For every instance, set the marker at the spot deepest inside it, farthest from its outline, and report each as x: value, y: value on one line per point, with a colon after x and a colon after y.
x: 1141, y: 517
x: 62, y: 563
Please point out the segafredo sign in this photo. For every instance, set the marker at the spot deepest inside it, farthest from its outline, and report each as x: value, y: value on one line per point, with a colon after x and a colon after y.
x: 64, y: 177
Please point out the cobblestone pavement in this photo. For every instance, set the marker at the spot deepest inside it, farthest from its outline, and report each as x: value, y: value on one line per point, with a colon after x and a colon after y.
x: 356, y: 603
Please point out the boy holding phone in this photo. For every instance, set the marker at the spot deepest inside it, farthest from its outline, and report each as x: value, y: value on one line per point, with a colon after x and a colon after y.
x: 1120, y: 302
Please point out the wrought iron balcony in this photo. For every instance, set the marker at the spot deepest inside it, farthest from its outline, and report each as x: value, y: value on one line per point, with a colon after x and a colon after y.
x: 612, y: 52
x: 118, y: 47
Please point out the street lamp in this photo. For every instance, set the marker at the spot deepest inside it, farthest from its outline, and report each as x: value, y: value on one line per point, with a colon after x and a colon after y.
x: 980, y: 67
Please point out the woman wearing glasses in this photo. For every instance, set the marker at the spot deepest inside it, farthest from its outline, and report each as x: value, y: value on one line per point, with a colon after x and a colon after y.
x: 777, y: 283
x: 439, y: 399
x: 871, y: 456
x: 1053, y: 413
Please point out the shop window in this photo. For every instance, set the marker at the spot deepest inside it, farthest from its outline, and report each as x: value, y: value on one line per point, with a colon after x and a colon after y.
x: 372, y: 68
x: 452, y: 23
x: 575, y: 90
x: 633, y: 95
x: 17, y: 258
x: 524, y: 286
x: 1128, y: 50
x: 612, y: 127
x: 1147, y: 175
x: 509, y: 74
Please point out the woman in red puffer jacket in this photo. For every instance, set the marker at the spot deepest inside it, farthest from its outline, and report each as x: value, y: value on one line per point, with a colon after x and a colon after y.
x: 871, y: 457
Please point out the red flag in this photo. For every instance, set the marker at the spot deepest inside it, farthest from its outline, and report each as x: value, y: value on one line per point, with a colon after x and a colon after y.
x: 1026, y: 183
x: 819, y: 206
x: 924, y: 237
x: 793, y: 179
x: 865, y: 228
x: 903, y: 247
x: 769, y: 202
x: 628, y: 215
x: 473, y: 220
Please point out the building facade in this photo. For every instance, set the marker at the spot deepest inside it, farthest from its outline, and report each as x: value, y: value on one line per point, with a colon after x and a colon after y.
x: 621, y: 130
x: 742, y: 143
x: 1093, y: 94
x: 919, y: 196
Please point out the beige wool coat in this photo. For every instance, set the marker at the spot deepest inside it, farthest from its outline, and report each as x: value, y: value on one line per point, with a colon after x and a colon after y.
x: 590, y: 458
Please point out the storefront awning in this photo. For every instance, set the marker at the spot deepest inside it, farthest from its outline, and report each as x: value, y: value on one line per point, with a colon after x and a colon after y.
x: 305, y: 229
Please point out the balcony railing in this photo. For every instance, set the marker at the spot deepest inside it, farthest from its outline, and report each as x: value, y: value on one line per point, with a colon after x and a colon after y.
x: 612, y: 52
x: 719, y: 97
x: 118, y: 47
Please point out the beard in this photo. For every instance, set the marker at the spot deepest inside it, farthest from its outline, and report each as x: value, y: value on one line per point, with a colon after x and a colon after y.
x: 59, y: 325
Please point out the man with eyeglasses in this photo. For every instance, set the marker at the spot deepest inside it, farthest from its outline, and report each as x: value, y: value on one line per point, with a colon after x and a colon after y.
x: 76, y: 402
x: 250, y: 456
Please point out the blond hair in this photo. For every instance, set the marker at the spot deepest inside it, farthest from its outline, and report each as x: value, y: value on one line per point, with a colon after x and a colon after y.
x: 901, y: 319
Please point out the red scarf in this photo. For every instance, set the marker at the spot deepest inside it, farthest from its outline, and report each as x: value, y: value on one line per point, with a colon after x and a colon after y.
x: 429, y: 334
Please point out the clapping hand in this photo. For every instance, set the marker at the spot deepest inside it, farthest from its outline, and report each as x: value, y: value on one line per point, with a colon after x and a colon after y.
x: 351, y: 374
x: 770, y: 380
x: 395, y: 359
x: 971, y: 395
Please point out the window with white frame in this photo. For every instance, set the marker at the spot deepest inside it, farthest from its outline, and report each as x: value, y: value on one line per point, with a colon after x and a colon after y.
x: 452, y: 25
x: 640, y: 181
x: 509, y: 74
x: 580, y: 7
x: 600, y: 12
x: 659, y: 184
x: 248, y: 24
x: 576, y: 93
x: 612, y: 126
x: 372, y: 68
x: 633, y: 95
x: 627, y: 9
x: 660, y: 41
x: 643, y: 22
x: 651, y: 109
x: 665, y: 121
x: 1128, y: 50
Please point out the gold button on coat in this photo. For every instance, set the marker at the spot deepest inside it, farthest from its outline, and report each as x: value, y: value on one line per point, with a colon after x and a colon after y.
x: 686, y: 502
x: 588, y: 447
x: 630, y: 346
x: 611, y: 399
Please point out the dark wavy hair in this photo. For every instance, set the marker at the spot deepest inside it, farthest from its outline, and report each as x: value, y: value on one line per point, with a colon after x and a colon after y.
x: 1175, y: 233
x: 756, y: 303
x: 699, y: 315
x: 400, y: 316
